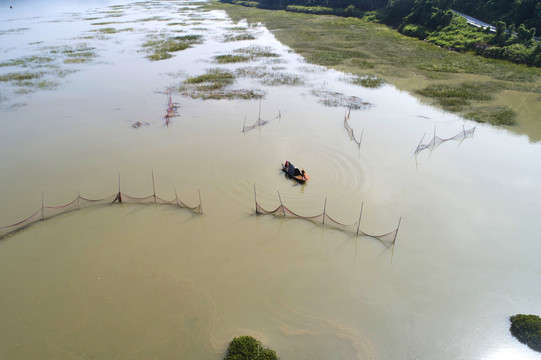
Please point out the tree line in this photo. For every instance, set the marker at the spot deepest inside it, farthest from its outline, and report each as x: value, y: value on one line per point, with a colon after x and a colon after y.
x: 432, y: 20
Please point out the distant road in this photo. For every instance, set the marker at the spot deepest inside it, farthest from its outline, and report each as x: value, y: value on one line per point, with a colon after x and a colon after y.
x: 478, y: 23
x: 475, y: 22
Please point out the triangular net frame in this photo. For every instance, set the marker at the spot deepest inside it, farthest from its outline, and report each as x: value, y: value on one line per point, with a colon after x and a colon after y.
x: 350, y: 132
x: 437, y: 141
x: 259, y: 122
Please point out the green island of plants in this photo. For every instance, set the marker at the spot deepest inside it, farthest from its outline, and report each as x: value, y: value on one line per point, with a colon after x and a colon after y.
x: 248, y: 348
x: 527, y: 329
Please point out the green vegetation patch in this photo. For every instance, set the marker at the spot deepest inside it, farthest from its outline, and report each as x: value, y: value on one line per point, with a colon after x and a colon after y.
x: 110, y: 30
x: 12, y: 31
x: 215, y: 85
x: 154, y: 18
x: 456, y: 97
x: 257, y: 51
x: 249, y: 348
x: 34, y: 60
x: 228, y: 59
x: 337, y: 99
x: 21, y: 76
x: 215, y: 79
x: 161, y: 47
x: 106, y: 23
x: 499, y: 115
x: 527, y: 329
x: 237, y: 37
x: 268, y: 77
x: 368, y: 81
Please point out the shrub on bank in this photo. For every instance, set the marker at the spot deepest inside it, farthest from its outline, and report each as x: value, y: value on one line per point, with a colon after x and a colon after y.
x: 248, y: 348
x: 527, y: 329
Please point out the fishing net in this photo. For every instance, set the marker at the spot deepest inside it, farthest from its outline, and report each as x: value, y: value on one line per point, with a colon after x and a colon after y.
x: 437, y: 141
x: 388, y: 239
x: 259, y: 122
x: 47, y: 212
x: 171, y: 110
x: 350, y: 130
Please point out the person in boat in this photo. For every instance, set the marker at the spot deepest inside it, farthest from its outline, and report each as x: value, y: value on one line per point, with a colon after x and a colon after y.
x: 303, y: 174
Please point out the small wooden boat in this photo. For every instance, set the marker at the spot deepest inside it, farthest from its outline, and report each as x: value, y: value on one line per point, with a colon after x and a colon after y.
x: 294, y: 173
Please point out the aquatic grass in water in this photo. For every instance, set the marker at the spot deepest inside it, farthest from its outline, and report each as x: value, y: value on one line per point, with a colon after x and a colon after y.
x: 213, y: 80
x: 465, y: 91
x: 11, y: 31
x: 272, y: 78
x: 493, y: 115
x: 367, y: 81
x: 336, y: 99
x: 228, y: 59
x: 257, y: 51
x: 162, y: 47
x: 214, y: 85
x: 110, y: 30
x: 34, y: 60
x: 237, y: 37
x: 20, y: 76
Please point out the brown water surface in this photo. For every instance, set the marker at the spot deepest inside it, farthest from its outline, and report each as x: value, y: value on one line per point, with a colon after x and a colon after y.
x: 151, y: 281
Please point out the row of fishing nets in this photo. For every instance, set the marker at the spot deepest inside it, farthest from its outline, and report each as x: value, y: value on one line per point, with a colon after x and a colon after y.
x: 47, y: 212
x: 388, y: 239
x: 437, y: 141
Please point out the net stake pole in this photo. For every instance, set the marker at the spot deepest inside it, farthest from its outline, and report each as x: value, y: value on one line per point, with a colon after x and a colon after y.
x: 259, y: 116
x: 78, y: 197
x: 416, y: 150
x: 361, y: 139
x: 244, y: 124
x: 255, y: 199
x: 119, y: 196
x: 397, y: 228
x: 361, y: 214
x: 324, y: 210
x: 464, y: 129
x: 153, y: 187
x: 281, y: 204
x: 176, y: 198
x: 200, y: 202
x: 42, y: 207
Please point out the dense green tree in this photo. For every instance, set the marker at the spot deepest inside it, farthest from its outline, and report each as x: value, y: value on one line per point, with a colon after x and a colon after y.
x: 527, y: 329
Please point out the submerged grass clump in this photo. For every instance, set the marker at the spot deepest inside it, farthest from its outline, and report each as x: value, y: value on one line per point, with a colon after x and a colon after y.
x: 27, y: 61
x: 464, y: 92
x: 213, y: 80
x: 12, y: 31
x: 228, y: 59
x: 214, y: 85
x: 257, y: 51
x: 237, y: 37
x: 21, y: 76
x: 110, y: 30
x: 337, y: 99
x: 494, y: 115
x: 161, y: 47
x: 368, y: 81
x: 267, y: 77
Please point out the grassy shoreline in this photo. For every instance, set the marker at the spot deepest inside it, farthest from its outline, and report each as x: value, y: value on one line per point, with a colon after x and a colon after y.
x: 365, y: 48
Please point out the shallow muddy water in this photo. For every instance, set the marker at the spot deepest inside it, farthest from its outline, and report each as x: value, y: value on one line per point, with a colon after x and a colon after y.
x: 152, y: 281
